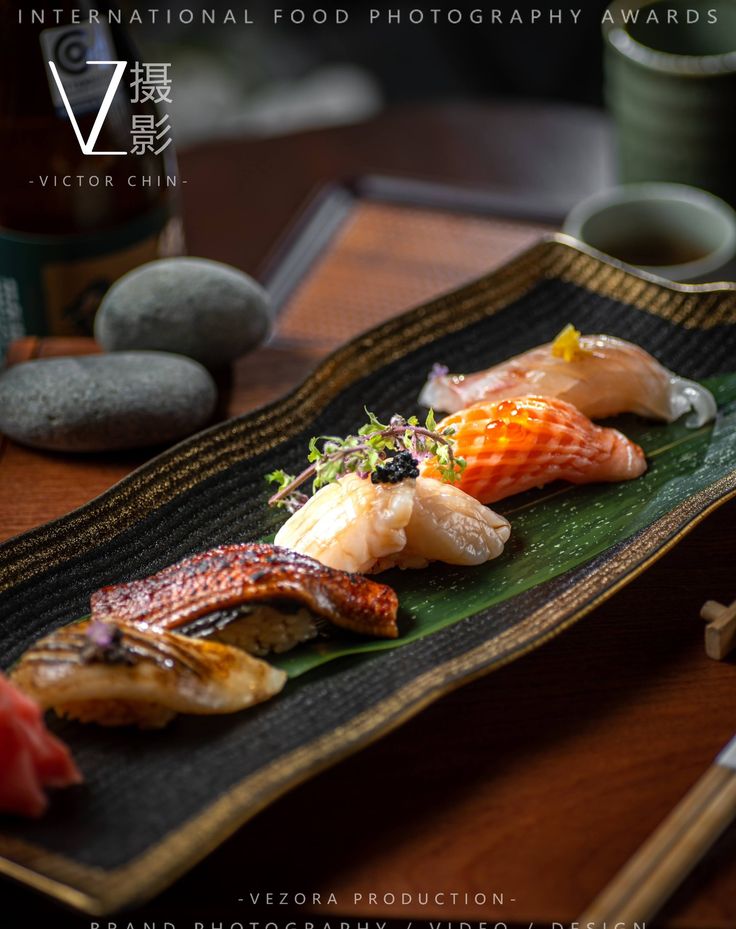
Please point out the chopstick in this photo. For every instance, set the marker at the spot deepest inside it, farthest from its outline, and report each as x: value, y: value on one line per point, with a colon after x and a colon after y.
x: 657, y: 869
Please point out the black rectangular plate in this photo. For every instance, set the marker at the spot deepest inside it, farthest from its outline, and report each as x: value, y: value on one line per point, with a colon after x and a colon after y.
x: 153, y: 805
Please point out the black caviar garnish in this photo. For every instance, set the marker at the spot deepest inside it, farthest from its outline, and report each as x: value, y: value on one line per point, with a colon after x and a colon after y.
x: 396, y: 469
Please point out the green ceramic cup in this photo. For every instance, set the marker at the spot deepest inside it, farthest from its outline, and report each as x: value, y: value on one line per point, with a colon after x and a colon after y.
x: 670, y: 83
x: 677, y: 232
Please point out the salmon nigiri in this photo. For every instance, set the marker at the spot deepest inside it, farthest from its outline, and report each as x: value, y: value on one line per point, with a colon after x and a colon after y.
x: 599, y: 374
x: 514, y: 445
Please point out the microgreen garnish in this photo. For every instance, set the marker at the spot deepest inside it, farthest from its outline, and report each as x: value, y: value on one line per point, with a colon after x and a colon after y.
x: 365, y: 454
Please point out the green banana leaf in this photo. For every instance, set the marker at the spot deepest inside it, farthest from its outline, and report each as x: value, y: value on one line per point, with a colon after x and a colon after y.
x: 555, y: 530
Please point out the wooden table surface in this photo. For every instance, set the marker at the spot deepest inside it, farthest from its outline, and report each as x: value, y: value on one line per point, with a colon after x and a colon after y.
x: 535, y: 783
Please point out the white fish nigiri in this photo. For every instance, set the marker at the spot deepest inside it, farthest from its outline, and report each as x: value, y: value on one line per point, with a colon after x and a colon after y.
x: 358, y: 526
x: 601, y: 375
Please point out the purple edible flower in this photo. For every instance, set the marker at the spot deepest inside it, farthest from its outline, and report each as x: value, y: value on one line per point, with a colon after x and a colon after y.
x: 105, y: 644
x: 438, y: 371
x: 102, y: 634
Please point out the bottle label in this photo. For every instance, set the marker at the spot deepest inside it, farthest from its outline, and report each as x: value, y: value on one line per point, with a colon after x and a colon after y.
x: 11, y: 313
x: 70, y: 48
x: 52, y: 285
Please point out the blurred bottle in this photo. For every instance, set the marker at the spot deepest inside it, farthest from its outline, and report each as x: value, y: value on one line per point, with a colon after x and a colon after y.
x: 670, y: 71
x: 63, y: 242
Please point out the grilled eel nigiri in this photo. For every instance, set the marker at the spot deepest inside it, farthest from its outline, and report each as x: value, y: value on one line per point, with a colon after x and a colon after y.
x: 118, y: 675
x: 259, y: 597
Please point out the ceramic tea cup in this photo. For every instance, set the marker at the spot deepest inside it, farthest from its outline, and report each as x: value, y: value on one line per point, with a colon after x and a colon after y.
x: 677, y: 232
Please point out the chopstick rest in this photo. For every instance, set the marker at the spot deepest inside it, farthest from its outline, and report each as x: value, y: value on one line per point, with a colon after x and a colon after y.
x: 720, y: 633
x: 656, y: 870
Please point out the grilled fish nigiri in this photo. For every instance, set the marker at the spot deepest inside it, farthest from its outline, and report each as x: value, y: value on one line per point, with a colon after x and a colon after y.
x: 357, y: 525
x: 257, y: 596
x: 599, y: 374
x: 119, y: 675
x: 514, y: 445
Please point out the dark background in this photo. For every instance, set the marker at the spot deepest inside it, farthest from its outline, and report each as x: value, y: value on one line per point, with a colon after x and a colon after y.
x: 266, y: 78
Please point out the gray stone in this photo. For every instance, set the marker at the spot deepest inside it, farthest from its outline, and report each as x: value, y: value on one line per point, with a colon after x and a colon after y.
x: 191, y: 306
x: 94, y: 403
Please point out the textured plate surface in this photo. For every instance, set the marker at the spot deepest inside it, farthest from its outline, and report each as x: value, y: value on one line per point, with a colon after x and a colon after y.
x: 152, y: 806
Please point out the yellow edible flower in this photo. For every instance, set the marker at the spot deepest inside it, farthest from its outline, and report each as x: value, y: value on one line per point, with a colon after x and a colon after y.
x: 567, y: 344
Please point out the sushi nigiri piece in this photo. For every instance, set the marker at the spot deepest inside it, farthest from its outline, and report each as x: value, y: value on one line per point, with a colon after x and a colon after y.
x: 257, y: 596
x: 119, y: 675
x: 599, y: 374
x: 351, y: 524
x: 355, y: 524
x: 514, y: 445
x: 448, y: 525
x: 31, y: 758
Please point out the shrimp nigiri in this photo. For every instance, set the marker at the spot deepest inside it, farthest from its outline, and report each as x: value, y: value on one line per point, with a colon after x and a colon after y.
x: 514, y: 445
x: 118, y: 675
x: 599, y: 374
x: 357, y: 525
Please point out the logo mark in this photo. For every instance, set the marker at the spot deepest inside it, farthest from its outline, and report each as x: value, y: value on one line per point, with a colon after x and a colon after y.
x: 88, y: 145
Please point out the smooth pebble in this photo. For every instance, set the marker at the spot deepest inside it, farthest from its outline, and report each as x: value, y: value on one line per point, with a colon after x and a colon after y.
x: 93, y: 403
x: 192, y: 306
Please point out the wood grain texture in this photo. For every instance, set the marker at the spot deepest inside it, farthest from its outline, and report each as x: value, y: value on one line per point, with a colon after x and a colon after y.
x: 387, y: 258
x: 658, y: 868
x: 538, y: 782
